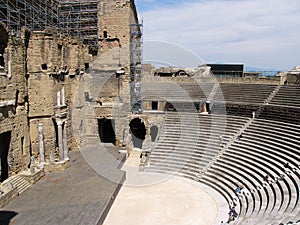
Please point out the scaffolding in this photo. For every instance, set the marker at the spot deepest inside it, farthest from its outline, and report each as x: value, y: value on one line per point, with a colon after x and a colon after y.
x: 34, y: 14
x: 136, y: 69
x: 80, y: 19
x: 74, y: 18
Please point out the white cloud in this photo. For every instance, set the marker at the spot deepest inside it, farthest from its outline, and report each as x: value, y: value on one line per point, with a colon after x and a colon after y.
x: 255, y: 32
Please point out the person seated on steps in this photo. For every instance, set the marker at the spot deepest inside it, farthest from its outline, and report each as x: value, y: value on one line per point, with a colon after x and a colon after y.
x: 232, y: 214
x: 267, y: 179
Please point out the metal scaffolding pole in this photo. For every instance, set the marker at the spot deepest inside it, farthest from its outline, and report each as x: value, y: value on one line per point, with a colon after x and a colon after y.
x: 136, y: 69
x: 74, y: 18
x: 34, y: 14
x: 80, y: 19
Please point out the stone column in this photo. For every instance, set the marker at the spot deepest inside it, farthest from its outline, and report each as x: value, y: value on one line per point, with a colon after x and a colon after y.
x: 65, y: 141
x: 41, y: 144
x: 58, y: 98
x: 9, y: 69
x: 63, y: 96
x: 32, y: 164
x: 60, y: 140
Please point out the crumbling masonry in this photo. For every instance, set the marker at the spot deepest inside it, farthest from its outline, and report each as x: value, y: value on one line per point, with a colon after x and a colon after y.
x: 43, y: 66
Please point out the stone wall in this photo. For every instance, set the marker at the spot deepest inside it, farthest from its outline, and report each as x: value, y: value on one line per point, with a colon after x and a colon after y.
x: 114, y: 28
x: 55, y: 65
x: 276, y: 80
x: 14, y: 100
x: 39, y: 75
x: 148, y: 105
x: 149, y: 120
x: 114, y: 21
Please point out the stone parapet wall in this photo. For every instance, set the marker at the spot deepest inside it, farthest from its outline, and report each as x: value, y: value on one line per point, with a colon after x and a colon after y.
x: 8, y: 195
x: 252, y: 80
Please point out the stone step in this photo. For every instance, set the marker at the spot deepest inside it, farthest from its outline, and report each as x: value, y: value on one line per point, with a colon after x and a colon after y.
x: 17, y: 181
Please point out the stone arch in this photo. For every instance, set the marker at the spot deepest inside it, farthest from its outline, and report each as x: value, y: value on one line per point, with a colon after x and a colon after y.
x: 138, y: 132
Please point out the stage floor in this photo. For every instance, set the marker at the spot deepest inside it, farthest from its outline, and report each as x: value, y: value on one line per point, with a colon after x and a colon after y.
x: 149, y: 199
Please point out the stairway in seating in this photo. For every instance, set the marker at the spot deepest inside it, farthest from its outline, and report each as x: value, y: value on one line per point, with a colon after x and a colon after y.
x: 267, y: 100
x: 225, y: 147
x: 213, y: 91
x: 272, y: 95
x: 17, y: 181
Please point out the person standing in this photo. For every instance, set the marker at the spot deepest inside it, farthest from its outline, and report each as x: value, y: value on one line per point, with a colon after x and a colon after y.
x: 221, y: 139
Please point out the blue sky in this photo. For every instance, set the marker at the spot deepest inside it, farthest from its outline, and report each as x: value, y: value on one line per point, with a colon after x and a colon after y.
x: 258, y: 33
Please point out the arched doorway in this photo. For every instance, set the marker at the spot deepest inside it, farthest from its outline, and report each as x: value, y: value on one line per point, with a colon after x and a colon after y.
x: 4, y: 148
x: 138, y: 132
x: 106, y: 128
x: 153, y: 132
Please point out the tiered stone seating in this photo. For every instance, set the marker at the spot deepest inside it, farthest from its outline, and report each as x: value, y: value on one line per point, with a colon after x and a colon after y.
x: 173, y: 91
x: 263, y: 149
x: 244, y: 110
x: 240, y: 99
x: 287, y: 96
x: 281, y: 113
x: 189, y: 146
x: 243, y: 93
x: 189, y: 141
x: 284, y: 106
x: 198, y: 90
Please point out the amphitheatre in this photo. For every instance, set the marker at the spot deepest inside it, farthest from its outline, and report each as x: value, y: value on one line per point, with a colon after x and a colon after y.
x: 91, y: 135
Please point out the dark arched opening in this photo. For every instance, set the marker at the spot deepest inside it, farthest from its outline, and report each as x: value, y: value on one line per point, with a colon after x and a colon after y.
x: 3, y: 45
x: 105, y: 35
x: 138, y: 132
x: 170, y: 107
x: 106, y: 130
x: 153, y: 132
x: 4, y: 148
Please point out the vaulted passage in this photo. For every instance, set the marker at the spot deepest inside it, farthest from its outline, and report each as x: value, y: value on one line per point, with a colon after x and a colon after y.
x: 138, y: 132
x: 106, y: 130
x: 4, y: 147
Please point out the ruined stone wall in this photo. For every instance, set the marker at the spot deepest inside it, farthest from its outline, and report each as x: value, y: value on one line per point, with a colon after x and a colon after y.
x: 114, y: 19
x: 49, y: 136
x: 292, y: 79
x: 148, y: 105
x: 14, y: 100
x: 149, y: 120
x: 41, y: 67
x: 55, y: 65
x: 44, y: 59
